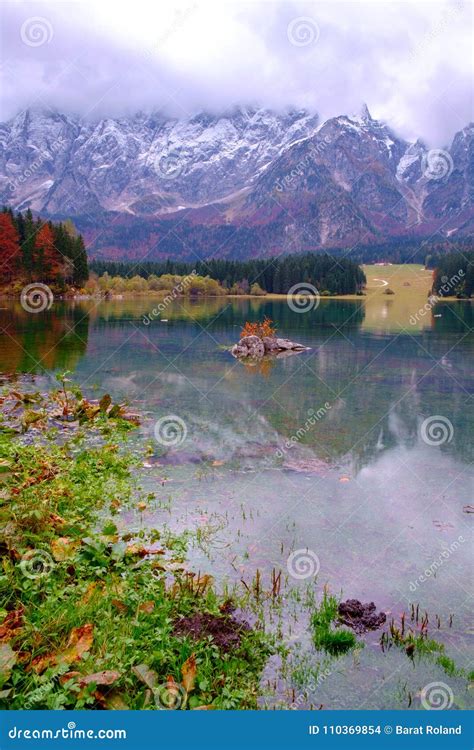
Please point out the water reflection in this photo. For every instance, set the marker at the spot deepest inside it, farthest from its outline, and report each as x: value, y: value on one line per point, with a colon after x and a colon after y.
x: 51, y: 340
x: 378, y: 385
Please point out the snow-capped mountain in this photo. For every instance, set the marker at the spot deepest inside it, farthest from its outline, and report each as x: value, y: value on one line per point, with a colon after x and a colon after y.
x: 243, y: 183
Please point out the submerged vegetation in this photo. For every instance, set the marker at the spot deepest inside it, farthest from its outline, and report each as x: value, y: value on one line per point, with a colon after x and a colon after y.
x: 95, y: 614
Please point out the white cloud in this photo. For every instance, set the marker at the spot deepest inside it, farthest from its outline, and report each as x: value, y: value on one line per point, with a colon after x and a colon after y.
x: 410, y: 61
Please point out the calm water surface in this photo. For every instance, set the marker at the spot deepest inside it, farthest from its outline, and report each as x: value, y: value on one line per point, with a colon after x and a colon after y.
x: 360, y: 487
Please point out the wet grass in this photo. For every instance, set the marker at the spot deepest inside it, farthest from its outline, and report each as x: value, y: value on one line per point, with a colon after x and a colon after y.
x: 89, y: 609
x: 334, y: 641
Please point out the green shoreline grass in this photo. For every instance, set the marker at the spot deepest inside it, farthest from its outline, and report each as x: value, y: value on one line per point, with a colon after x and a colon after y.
x: 89, y: 612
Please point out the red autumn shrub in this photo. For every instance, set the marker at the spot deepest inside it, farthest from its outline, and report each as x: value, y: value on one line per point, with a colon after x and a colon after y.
x: 258, y: 329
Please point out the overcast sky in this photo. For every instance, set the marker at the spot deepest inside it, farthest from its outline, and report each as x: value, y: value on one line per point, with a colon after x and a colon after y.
x: 410, y: 61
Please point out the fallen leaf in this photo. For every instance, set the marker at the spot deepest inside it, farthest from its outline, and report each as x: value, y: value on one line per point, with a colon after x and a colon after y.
x: 121, y: 606
x: 146, y: 675
x: 8, y: 659
x: 63, y: 548
x: 217, y: 463
x: 79, y: 642
x: 142, y: 506
x: 147, y: 607
x: 105, y: 402
x: 108, y: 677
x: 115, y: 702
x: 11, y: 625
x: 188, y: 670
x: 93, y: 588
x: 64, y: 678
x: 204, y: 708
x: 56, y: 520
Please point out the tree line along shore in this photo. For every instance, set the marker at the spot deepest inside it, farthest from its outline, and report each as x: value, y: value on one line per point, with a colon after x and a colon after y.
x: 54, y: 253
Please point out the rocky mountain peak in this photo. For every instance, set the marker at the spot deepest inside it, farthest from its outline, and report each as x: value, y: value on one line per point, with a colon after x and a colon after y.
x: 280, y: 180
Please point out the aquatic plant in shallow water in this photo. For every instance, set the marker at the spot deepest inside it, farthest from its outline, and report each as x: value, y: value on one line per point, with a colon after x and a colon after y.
x: 333, y: 641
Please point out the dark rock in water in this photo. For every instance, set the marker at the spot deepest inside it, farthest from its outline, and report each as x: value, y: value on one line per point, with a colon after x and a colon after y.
x: 360, y: 617
x: 254, y: 346
x: 225, y: 630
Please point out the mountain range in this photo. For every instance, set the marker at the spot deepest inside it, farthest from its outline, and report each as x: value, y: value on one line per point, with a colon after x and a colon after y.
x: 245, y: 183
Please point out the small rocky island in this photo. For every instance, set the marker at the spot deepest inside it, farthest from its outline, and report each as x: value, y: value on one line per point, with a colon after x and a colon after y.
x: 259, y: 339
x: 256, y: 346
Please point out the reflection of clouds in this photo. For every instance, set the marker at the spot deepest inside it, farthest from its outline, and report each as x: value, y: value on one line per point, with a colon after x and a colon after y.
x: 122, y: 384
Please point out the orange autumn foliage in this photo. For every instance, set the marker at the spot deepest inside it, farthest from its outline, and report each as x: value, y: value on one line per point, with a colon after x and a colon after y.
x: 259, y: 329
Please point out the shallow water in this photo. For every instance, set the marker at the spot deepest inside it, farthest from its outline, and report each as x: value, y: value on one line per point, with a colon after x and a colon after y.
x: 325, y: 451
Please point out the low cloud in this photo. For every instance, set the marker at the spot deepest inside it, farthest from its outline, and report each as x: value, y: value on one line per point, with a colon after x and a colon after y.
x: 409, y: 61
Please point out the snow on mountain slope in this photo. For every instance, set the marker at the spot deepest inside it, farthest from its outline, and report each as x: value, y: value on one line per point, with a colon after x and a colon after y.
x: 242, y: 183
